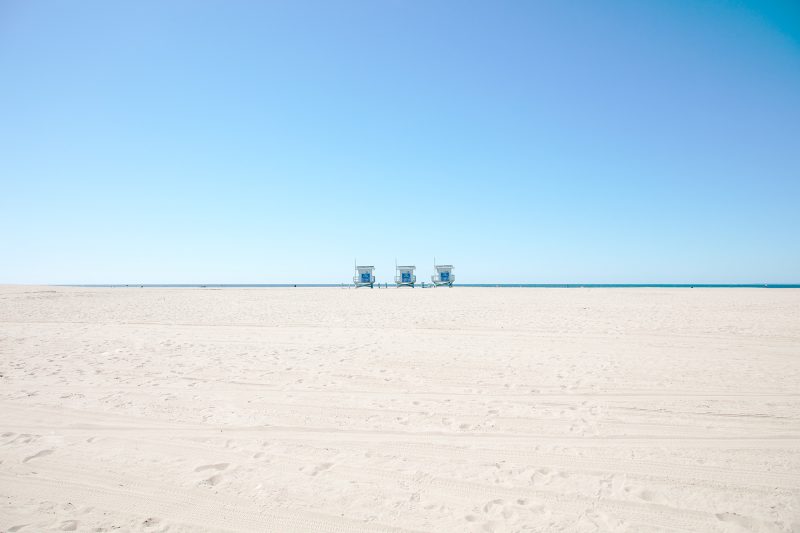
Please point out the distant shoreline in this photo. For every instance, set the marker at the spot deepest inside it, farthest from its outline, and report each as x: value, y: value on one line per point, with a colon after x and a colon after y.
x: 479, y: 285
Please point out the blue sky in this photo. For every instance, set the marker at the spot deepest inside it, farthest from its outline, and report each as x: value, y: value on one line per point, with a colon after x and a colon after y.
x: 260, y: 142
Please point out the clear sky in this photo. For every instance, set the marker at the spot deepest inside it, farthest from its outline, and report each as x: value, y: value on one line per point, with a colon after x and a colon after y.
x: 270, y: 142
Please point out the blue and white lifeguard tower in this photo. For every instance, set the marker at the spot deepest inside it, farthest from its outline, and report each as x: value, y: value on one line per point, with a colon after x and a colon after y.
x: 365, y: 276
x: 443, y: 276
x: 405, y: 277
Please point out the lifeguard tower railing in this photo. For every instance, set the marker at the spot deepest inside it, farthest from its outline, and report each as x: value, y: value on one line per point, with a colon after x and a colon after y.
x: 405, y: 276
x: 364, y: 276
x: 443, y: 276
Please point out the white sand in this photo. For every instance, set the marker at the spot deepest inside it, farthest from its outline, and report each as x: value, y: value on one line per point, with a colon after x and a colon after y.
x: 399, y: 410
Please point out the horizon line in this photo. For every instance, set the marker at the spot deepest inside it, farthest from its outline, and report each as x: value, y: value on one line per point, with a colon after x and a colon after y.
x: 497, y: 284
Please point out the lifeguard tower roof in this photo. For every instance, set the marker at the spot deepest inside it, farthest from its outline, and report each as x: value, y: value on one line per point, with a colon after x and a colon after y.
x: 444, y: 266
x: 405, y: 266
x: 364, y: 266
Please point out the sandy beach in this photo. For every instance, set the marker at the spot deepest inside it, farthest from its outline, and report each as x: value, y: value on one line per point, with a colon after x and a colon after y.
x: 342, y: 410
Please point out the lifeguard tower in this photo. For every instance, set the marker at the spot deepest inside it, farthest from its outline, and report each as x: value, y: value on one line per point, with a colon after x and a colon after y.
x: 443, y: 276
x: 365, y: 276
x: 405, y: 276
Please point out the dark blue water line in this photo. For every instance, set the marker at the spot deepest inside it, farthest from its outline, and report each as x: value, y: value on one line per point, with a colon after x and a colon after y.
x: 498, y: 285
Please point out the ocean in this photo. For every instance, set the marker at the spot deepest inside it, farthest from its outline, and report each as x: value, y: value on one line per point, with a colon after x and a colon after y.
x: 499, y: 285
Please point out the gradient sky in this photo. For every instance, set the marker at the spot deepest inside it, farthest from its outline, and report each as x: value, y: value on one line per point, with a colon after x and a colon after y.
x: 260, y: 142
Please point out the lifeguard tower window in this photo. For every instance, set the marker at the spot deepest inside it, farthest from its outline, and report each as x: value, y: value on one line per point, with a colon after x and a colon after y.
x: 406, y: 277
x: 444, y: 276
x: 365, y: 277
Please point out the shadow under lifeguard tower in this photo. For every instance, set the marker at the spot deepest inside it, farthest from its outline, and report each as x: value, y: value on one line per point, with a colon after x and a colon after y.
x: 443, y: 276
x: 364, y: 276
x: 405, y: 276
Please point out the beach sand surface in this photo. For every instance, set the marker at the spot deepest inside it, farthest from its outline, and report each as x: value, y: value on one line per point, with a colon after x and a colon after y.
x: 342, y: 410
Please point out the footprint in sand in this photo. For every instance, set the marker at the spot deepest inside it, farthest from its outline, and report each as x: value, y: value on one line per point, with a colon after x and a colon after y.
x: 647, y: 495
x: 498, y: 515
x: 493, y: 506
x: 216, y: 479
x: 23, y: 438
x: 542, y: 476
x: 218, y: 466
x: 37, y: 455
x: 69, y: 525
x: 744, y: 522
x: 321, y: 468
x: 213, y: 480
